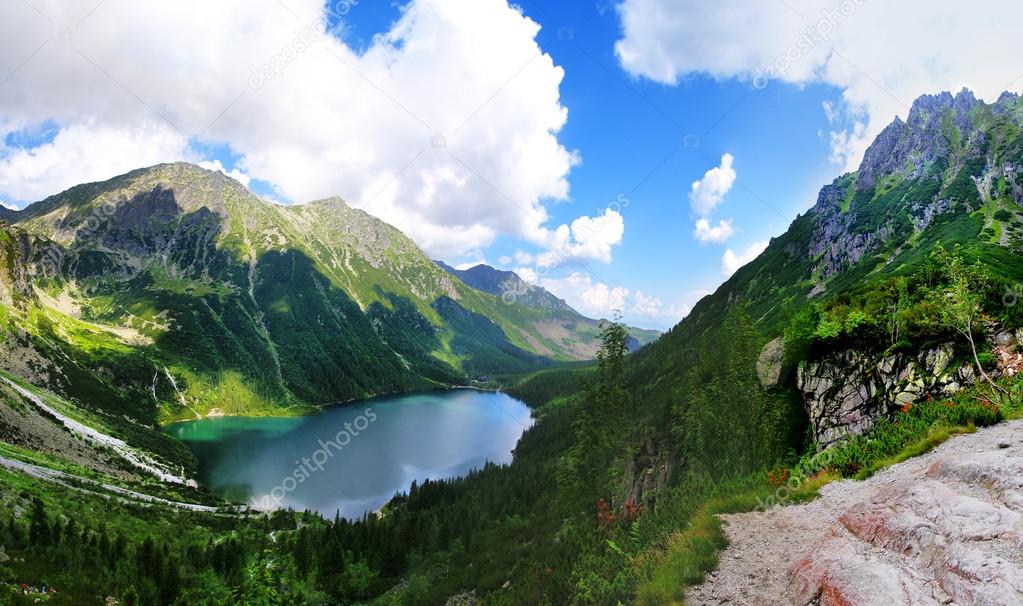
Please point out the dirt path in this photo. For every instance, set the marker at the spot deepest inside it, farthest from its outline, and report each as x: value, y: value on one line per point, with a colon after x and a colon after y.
x: 944, y: 528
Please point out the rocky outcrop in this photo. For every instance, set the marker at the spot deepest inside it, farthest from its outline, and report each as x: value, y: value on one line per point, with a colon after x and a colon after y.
x: 771, y: 363
x: 943, y: 528
x: 923, y: 542
x: 15, y: 287
x: 847, y: 391
x: 648, y: 471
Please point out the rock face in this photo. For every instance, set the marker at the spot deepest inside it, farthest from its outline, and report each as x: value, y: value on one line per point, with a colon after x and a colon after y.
x: 14, y: 281
x: 941, y: 129
x: 846, y: 392
x: 943, y: 528
x: 770, y: 364
x: 924, y: 542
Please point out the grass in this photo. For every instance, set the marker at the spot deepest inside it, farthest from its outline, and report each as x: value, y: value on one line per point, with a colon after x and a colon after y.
x: 690, y: 553
x: 693, y: 552
x: 934, y: 437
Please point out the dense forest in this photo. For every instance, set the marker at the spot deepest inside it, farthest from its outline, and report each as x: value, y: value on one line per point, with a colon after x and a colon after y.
x: 567, y: 522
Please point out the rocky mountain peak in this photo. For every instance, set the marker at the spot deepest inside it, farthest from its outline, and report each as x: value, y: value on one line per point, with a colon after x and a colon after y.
x: 910, y: 147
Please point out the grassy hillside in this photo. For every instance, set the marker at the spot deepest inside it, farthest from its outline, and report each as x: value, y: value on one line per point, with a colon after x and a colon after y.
x: 189, y: 288
x: 613, y: 492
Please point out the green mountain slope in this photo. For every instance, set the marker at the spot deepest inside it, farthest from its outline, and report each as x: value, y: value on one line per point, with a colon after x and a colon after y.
x: 612, y: 494
x: 947, y: 176
x: 513, y: 289
x: 186, y: 282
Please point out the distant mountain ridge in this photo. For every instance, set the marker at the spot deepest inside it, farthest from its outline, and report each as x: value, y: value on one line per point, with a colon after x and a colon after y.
x: 507, y: 285
x: 178, y: 272
x: 513, y: 289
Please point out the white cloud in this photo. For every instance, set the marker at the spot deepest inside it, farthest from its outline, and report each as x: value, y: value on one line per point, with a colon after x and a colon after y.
x: 830, y: 111
x: 8, y: 205
x: 731, y: 261
x: 653, y: 309
x: 587, y: 239
x: 81, y: 153
x: 591, y: 298
x: 504, y: 260
x: 470, y: 264
x: 523, y: 258
x: 528, y: 275
x: 597, y: 299
x: 604, y: 300
x: 234, y: 173
x: 882, y: 55
x: 446, y: 126
x: 708, y: 192
x: 704, y: 232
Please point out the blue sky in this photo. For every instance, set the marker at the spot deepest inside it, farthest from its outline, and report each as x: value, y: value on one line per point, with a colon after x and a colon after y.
x: 559, y: 139
x: 650, y: 142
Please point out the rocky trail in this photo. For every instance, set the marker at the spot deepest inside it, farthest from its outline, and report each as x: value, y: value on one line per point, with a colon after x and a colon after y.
x: 943, y: 528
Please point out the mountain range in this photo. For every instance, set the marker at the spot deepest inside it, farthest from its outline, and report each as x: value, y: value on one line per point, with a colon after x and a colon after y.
x: 177, y: 286
x: 173, y: 292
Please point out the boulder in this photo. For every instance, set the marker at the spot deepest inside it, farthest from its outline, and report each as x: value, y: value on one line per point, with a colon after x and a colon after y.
x: 770, y: 364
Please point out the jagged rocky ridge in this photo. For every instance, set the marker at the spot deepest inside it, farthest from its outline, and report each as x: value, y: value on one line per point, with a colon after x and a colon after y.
x: 948, y: 175
x: 953, y: 159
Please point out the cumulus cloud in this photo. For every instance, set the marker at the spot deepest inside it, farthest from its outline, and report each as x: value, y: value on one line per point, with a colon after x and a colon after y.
x: 445, y: 126
x: 591, y: 298
x: 234, y: 173
x: 704, y: 232
x: 523, y: 258
x: 732, y: 261
x: 603, y: 299
x: 84, y: 152
x: 709, y: 191
x: 849, y: 44
x: 652, y: 308
x: 586, y: 239
x: 597, y: 299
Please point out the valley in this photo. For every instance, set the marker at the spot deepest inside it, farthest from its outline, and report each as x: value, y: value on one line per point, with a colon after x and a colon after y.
x: 179, y: 354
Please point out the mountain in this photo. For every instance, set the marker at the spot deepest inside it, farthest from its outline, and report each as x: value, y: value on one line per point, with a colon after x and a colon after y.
x: 513, y: 289
x: 509, y: 285
x: 830, y: 355
x: 190, y: 292
x: 852, y: 293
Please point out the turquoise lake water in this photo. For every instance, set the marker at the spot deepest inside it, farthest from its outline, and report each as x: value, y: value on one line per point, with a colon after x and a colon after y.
x: 354, y: 458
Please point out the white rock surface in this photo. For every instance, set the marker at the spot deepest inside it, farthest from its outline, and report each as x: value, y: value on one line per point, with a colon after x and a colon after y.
x: 944, y: 528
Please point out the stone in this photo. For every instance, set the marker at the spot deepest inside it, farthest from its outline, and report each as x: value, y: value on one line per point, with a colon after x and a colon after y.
x: 1005, y: 339
x: 846, y: 392
x: 838, y: 573
x: 1002, y: 475
x: 770, y: 363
